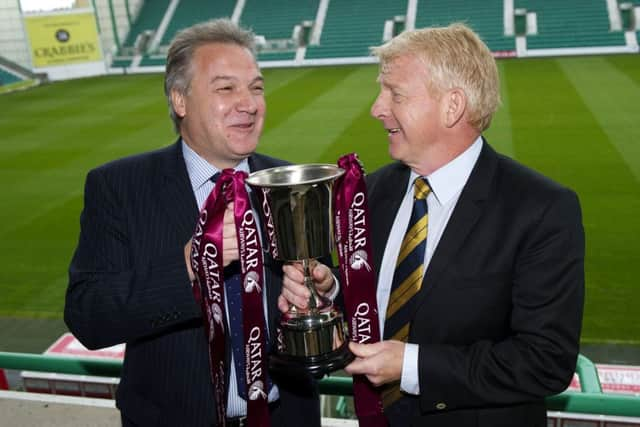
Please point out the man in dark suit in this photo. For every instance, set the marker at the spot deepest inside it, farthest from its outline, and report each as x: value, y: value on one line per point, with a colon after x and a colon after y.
x: 487, y: 323
x: 130, y: 277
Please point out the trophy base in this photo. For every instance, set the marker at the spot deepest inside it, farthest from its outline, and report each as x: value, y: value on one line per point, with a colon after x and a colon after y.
x: 315, y: 366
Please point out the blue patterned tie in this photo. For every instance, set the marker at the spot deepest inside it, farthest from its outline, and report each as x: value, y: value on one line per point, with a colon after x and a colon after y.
x: 407, y: 279
x: 233, y: 290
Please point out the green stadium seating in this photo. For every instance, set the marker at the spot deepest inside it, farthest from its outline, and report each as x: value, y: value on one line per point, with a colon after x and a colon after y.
x: 352, y: 26
x: 121, y: 62
x: 149, y: 61
x: 570, y: 23
x: 275, y: 19
x: 149, y: 18
x: 636, y: 4
x: 7, y: 77
x: 276, y: 56
x: 486, y: 19
x: 190, y: 12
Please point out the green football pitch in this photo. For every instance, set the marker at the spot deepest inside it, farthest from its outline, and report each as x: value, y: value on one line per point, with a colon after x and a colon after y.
x: 576, y: 120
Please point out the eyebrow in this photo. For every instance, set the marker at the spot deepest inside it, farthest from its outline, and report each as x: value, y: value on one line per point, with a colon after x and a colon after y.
x: 223, y: 77
x: 386, y: 83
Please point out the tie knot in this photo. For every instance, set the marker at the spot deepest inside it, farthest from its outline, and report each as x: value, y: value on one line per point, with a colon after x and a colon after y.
x: 421, y: 188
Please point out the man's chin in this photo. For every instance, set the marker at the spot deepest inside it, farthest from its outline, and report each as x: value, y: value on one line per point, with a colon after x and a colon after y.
x: 394, y: 152
x: 244, y: 149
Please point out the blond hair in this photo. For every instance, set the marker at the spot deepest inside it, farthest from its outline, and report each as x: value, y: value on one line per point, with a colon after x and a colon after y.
x: 454, y: 57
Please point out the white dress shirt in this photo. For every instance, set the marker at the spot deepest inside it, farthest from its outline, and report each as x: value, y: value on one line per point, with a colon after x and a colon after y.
x: 200, y: 172
x: 446, y: 185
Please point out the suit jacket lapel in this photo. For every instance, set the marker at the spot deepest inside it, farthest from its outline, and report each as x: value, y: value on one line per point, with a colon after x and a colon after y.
x: 176, y: 192
x: 465, y: 215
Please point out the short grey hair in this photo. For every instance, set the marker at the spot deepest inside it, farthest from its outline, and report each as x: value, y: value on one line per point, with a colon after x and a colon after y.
x: 179, y: 71
x: 454, y: 56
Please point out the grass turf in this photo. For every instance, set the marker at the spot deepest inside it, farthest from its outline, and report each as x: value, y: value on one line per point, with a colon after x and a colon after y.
x: 573, y: 119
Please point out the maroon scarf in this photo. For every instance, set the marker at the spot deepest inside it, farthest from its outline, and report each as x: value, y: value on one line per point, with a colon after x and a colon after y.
x: 206, y: 262
x: 358, y: 279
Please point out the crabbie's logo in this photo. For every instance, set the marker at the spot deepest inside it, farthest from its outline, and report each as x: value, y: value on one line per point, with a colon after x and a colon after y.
x: 63, y: 35
x: 253, y: 367
x: 358, y: 223
x: 63, y: 38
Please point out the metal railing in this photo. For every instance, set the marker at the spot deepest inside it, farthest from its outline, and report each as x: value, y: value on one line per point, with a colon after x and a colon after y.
x: 591, y: 400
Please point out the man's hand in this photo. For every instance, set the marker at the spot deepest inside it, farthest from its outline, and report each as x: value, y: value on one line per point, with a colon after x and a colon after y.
x: 229, y: 243
x: 381, y: 362
x: 293, y: 289
x: 230, y: 250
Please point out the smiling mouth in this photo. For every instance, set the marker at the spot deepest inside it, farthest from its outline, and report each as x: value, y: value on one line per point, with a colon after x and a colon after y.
x: 242, y: 125
x: 392, y: 131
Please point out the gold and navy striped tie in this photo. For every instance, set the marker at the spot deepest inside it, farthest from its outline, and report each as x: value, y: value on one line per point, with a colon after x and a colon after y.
x: 407, y: 278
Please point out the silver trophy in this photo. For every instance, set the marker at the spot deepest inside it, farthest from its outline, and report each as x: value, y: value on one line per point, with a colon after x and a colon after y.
x: 298, y: 213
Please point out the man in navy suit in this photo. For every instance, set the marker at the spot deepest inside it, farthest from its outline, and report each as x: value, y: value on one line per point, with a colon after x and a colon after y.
x: 130, y: 277
x: 495, y: 311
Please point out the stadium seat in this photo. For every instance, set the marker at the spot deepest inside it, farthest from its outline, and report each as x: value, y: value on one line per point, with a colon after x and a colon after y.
x: 570, y: 23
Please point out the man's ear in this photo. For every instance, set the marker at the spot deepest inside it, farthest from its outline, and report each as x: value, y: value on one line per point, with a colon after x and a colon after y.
x: 455, y: 104
x: 178, y: 103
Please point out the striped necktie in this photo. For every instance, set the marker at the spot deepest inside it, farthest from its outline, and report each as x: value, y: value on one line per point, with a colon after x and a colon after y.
x: 407, y: 278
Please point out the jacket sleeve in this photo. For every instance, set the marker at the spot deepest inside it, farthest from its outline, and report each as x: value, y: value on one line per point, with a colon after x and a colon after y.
x: 116, y: 293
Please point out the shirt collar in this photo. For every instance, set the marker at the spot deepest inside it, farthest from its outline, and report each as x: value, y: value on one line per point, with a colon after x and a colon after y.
x: 199, y: 170
x: 447, y: 181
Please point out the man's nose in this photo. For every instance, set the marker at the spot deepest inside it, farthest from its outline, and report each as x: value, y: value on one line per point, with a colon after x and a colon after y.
x: 247, y: 102
x: 378, y: 109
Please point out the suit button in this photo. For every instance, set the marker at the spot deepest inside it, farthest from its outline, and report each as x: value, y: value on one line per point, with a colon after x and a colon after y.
x: 441, y: 405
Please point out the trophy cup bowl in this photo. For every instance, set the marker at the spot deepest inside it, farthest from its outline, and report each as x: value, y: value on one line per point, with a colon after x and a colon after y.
x: 314, y: 341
